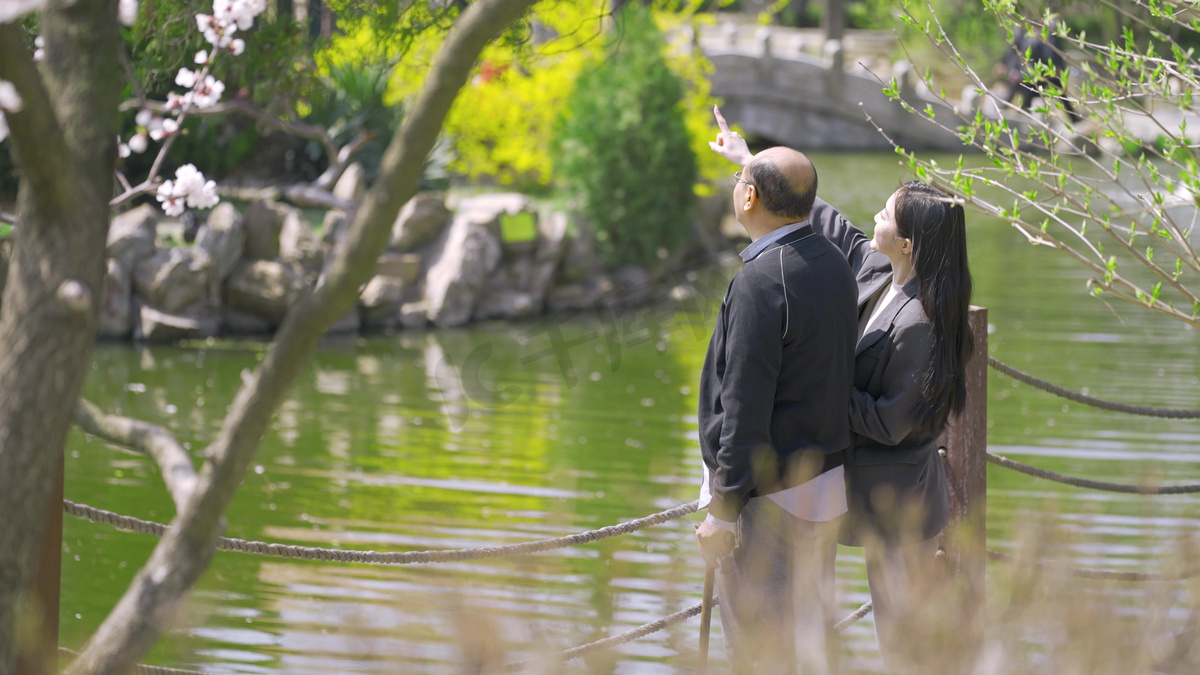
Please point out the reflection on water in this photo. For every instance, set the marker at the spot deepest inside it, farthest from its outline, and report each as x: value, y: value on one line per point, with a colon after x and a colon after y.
x: 487, y: 436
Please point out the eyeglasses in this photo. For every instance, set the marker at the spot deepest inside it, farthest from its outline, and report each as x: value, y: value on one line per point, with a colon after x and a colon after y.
x: 737, y: 175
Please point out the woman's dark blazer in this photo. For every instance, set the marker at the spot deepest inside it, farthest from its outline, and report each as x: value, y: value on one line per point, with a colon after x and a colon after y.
x: 895, y: 482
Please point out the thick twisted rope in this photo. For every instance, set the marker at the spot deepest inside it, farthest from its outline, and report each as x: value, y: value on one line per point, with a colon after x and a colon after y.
x: 854, y: 617
x: 1169, y: 413
x: 1086, y: 573
x: 666, y: 622
x: 139, y: 669
x: 1028, y: 470
x: 374, y: 558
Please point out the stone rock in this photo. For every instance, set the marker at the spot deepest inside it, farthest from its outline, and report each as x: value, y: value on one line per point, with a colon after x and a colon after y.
x: 506, y: 305
x: 298, y: 243
x: 580, y: 295
x: 552, y: 237
x: 420, y: 221
x: 264, y: 288
x: 115, y: 305
x: 516, y: 219
x: 264, y: 221
x: 332, y: 226
x: 379, y: 303
x: 580, y: 259
x: 403, y: 266
x: 155, y: 325
x: 631, y: 285
x: 242, y: 323
x: 462, y: 261
x: 173, y: 278
x: 131, y: 236
x: 352, y: 185
x: 414, y: 315
x: 223, y: 238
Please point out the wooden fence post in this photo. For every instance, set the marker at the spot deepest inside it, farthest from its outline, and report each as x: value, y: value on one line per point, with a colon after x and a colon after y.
x: 41, y: 657
x: 965, y: 444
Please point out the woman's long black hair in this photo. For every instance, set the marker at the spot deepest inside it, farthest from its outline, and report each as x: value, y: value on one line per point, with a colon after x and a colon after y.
x: 937, y: 227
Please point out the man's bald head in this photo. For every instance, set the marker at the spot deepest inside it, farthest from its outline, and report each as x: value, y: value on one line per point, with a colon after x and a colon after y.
x: 786, y: 182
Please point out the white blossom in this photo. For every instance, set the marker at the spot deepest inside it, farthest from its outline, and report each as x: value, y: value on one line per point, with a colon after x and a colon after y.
x: 144, y: 117
x: 186, y: 78
x: 209, y: 93
x: 201, y: 57
x: 189, y: 188
x: 11, y: 10
x: 172, y: 205
x: 138, y: 143
x: 175, y: 102
x: 10, y: 100
x: 160, y: 128
x: 127, y: 12
x: 122, y: 149
x: 39, y: 48
x: 239, y: 12
x: 237, y: 47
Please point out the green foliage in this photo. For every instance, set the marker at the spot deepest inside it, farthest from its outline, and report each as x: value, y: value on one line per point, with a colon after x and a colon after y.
x: 351, y: 103
x: 501, y: 125
x: 624, y: 147
x: 1111, y: 148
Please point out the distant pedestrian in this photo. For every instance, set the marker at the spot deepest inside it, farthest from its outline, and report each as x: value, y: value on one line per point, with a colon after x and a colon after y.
x: 1020, y: 62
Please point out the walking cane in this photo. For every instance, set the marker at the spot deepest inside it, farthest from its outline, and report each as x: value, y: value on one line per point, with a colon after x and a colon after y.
x: 710, y: 574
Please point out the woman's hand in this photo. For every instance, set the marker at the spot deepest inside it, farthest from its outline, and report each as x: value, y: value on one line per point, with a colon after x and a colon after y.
x: 730, y: 144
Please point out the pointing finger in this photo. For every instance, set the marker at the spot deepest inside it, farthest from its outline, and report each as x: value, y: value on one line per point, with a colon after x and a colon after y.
x: 721, y: 123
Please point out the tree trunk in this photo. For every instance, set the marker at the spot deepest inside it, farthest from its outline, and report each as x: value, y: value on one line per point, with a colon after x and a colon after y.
x: 64, y: 142
x: 184, y: 552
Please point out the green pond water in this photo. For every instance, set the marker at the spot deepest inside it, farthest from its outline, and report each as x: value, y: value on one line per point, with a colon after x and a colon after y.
x: 481, y: 436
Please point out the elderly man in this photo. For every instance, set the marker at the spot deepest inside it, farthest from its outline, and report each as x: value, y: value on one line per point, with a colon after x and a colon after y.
x: 774, y: 396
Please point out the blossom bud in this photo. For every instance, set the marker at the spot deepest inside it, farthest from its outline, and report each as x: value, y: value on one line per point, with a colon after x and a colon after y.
x: 10, y: 100
x: 185, y: 78
x: 237, y: 47
x: 201, y: 57
x: 138, y: 143
x: 127, y: 12
x: 123, y: 150
x: 144, y: 117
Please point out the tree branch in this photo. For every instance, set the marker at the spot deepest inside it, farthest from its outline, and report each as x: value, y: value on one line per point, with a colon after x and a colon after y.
x: 183, y: 554
x: 145, y: 438
x: 244, y: 107
x: 38, y: 143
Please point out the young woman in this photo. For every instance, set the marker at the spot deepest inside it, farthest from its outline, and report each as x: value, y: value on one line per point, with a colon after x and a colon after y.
x: 914, y: 288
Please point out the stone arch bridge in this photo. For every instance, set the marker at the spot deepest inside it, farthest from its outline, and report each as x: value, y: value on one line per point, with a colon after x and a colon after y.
x: 777, y: 90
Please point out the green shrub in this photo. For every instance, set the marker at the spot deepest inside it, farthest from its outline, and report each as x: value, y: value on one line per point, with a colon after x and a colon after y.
x: 623, y: 147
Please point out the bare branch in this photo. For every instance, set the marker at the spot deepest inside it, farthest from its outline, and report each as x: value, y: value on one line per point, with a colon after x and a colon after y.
x: 183, y: 554
x: 145, y: 438
x: 244, y: 107
x: 36, y: 137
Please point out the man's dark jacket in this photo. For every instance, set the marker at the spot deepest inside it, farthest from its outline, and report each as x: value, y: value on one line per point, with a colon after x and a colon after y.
x: 777, y: 377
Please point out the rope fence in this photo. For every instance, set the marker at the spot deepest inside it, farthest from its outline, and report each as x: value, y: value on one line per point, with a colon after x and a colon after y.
x: 1088, y: 573
x: 141, y: 526
x: 1146, y: 411
x: 1000, y: 460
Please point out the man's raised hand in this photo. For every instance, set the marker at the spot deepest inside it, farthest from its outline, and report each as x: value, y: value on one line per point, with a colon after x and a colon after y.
x: 730, y: 144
